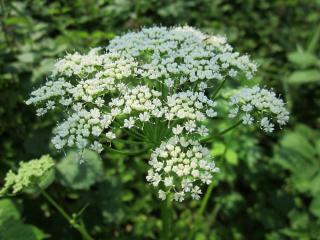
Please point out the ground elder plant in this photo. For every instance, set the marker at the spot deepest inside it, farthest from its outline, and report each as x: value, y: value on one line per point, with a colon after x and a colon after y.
x: 157, y: 86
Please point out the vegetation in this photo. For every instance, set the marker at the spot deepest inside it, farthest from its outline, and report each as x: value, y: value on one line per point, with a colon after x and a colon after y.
x: 268, y: 185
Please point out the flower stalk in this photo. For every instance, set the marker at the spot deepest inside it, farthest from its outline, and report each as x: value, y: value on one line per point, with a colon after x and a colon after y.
x: 79, y: 227
x: 166, y: 216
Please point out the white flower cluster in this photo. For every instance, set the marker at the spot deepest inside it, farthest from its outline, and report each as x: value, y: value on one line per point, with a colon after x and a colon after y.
x: 154, y: 84
x: 261, y: 105
x: 179, y: 167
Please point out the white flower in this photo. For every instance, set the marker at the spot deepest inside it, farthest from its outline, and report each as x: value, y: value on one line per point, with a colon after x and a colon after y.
x: 129, y: 123
x: 186, y: 185
x: 196, y: 192
x: 177, y: 129
x: 96, y: 146
x: 110, y: 135
x: 266, y: 125
x: 168, y: 181
x: 203, y: 131
x: 96, y: 131
x: 247, y: 119
x: 144, y: 117
x: 162, y: 195
x: 169, y: 82
x: 179, y: 196
x: 190, y: 126
x: 211, y: 113
x: 247, y: 108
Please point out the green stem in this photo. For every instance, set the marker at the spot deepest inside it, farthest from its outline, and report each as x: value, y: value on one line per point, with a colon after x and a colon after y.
x: 201, y: 210
x: 206, y: 197
x: 128, y: 141
x: 166, y: 216
x: 130, y: 153
x: 209, y: 138
x: 80, y: 228
x: 230, y: 128
x: 214, y: 95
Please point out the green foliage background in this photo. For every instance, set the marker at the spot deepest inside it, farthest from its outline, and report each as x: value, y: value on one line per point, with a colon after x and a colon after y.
x: 268, y: 186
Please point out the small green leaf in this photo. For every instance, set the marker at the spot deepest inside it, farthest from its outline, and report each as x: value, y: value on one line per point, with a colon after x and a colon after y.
x: 26, y: 57
x: 304, y: 76
x: 232, y: 157
x: 218, y: 149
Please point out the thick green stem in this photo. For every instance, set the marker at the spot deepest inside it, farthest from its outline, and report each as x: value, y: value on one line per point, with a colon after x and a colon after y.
x: 80, y: 228
x: 166, y: 215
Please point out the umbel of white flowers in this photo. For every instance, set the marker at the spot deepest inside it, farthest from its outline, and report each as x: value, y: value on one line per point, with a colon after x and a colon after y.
x: 155, y: 83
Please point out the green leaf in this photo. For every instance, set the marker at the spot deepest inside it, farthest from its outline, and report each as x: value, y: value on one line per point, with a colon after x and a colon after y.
x: 315, y: 206
x: 303, y: 59
x: 26, y: 57
x: 11, y: 226
x: 77, y: 175
x: 16, y: 230
x: 232, y: 157
x: 218, y: 149
x: 8, y: 210
x: 318, y: 147
x: 304, y: 76
x: 298, y: 143
x: 297, y: 153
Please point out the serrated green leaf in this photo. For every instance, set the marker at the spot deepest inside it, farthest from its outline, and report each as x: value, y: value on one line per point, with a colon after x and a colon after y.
x: 78, y: 175
x: 303, y: 59
x: 304, y: 76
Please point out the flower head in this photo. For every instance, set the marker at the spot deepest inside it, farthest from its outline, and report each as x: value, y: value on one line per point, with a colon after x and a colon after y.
x: 179, y: 167
x: 259, y: 105
x: 154, y: 83
x: 28, y: 175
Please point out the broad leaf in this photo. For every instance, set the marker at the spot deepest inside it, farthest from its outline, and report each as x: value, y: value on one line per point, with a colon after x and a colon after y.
x: 80, y: 170
x: 16, y: 230
x: 8, y: 210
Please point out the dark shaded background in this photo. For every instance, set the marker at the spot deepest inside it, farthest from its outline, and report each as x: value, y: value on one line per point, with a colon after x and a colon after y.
x: 268, y: 186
